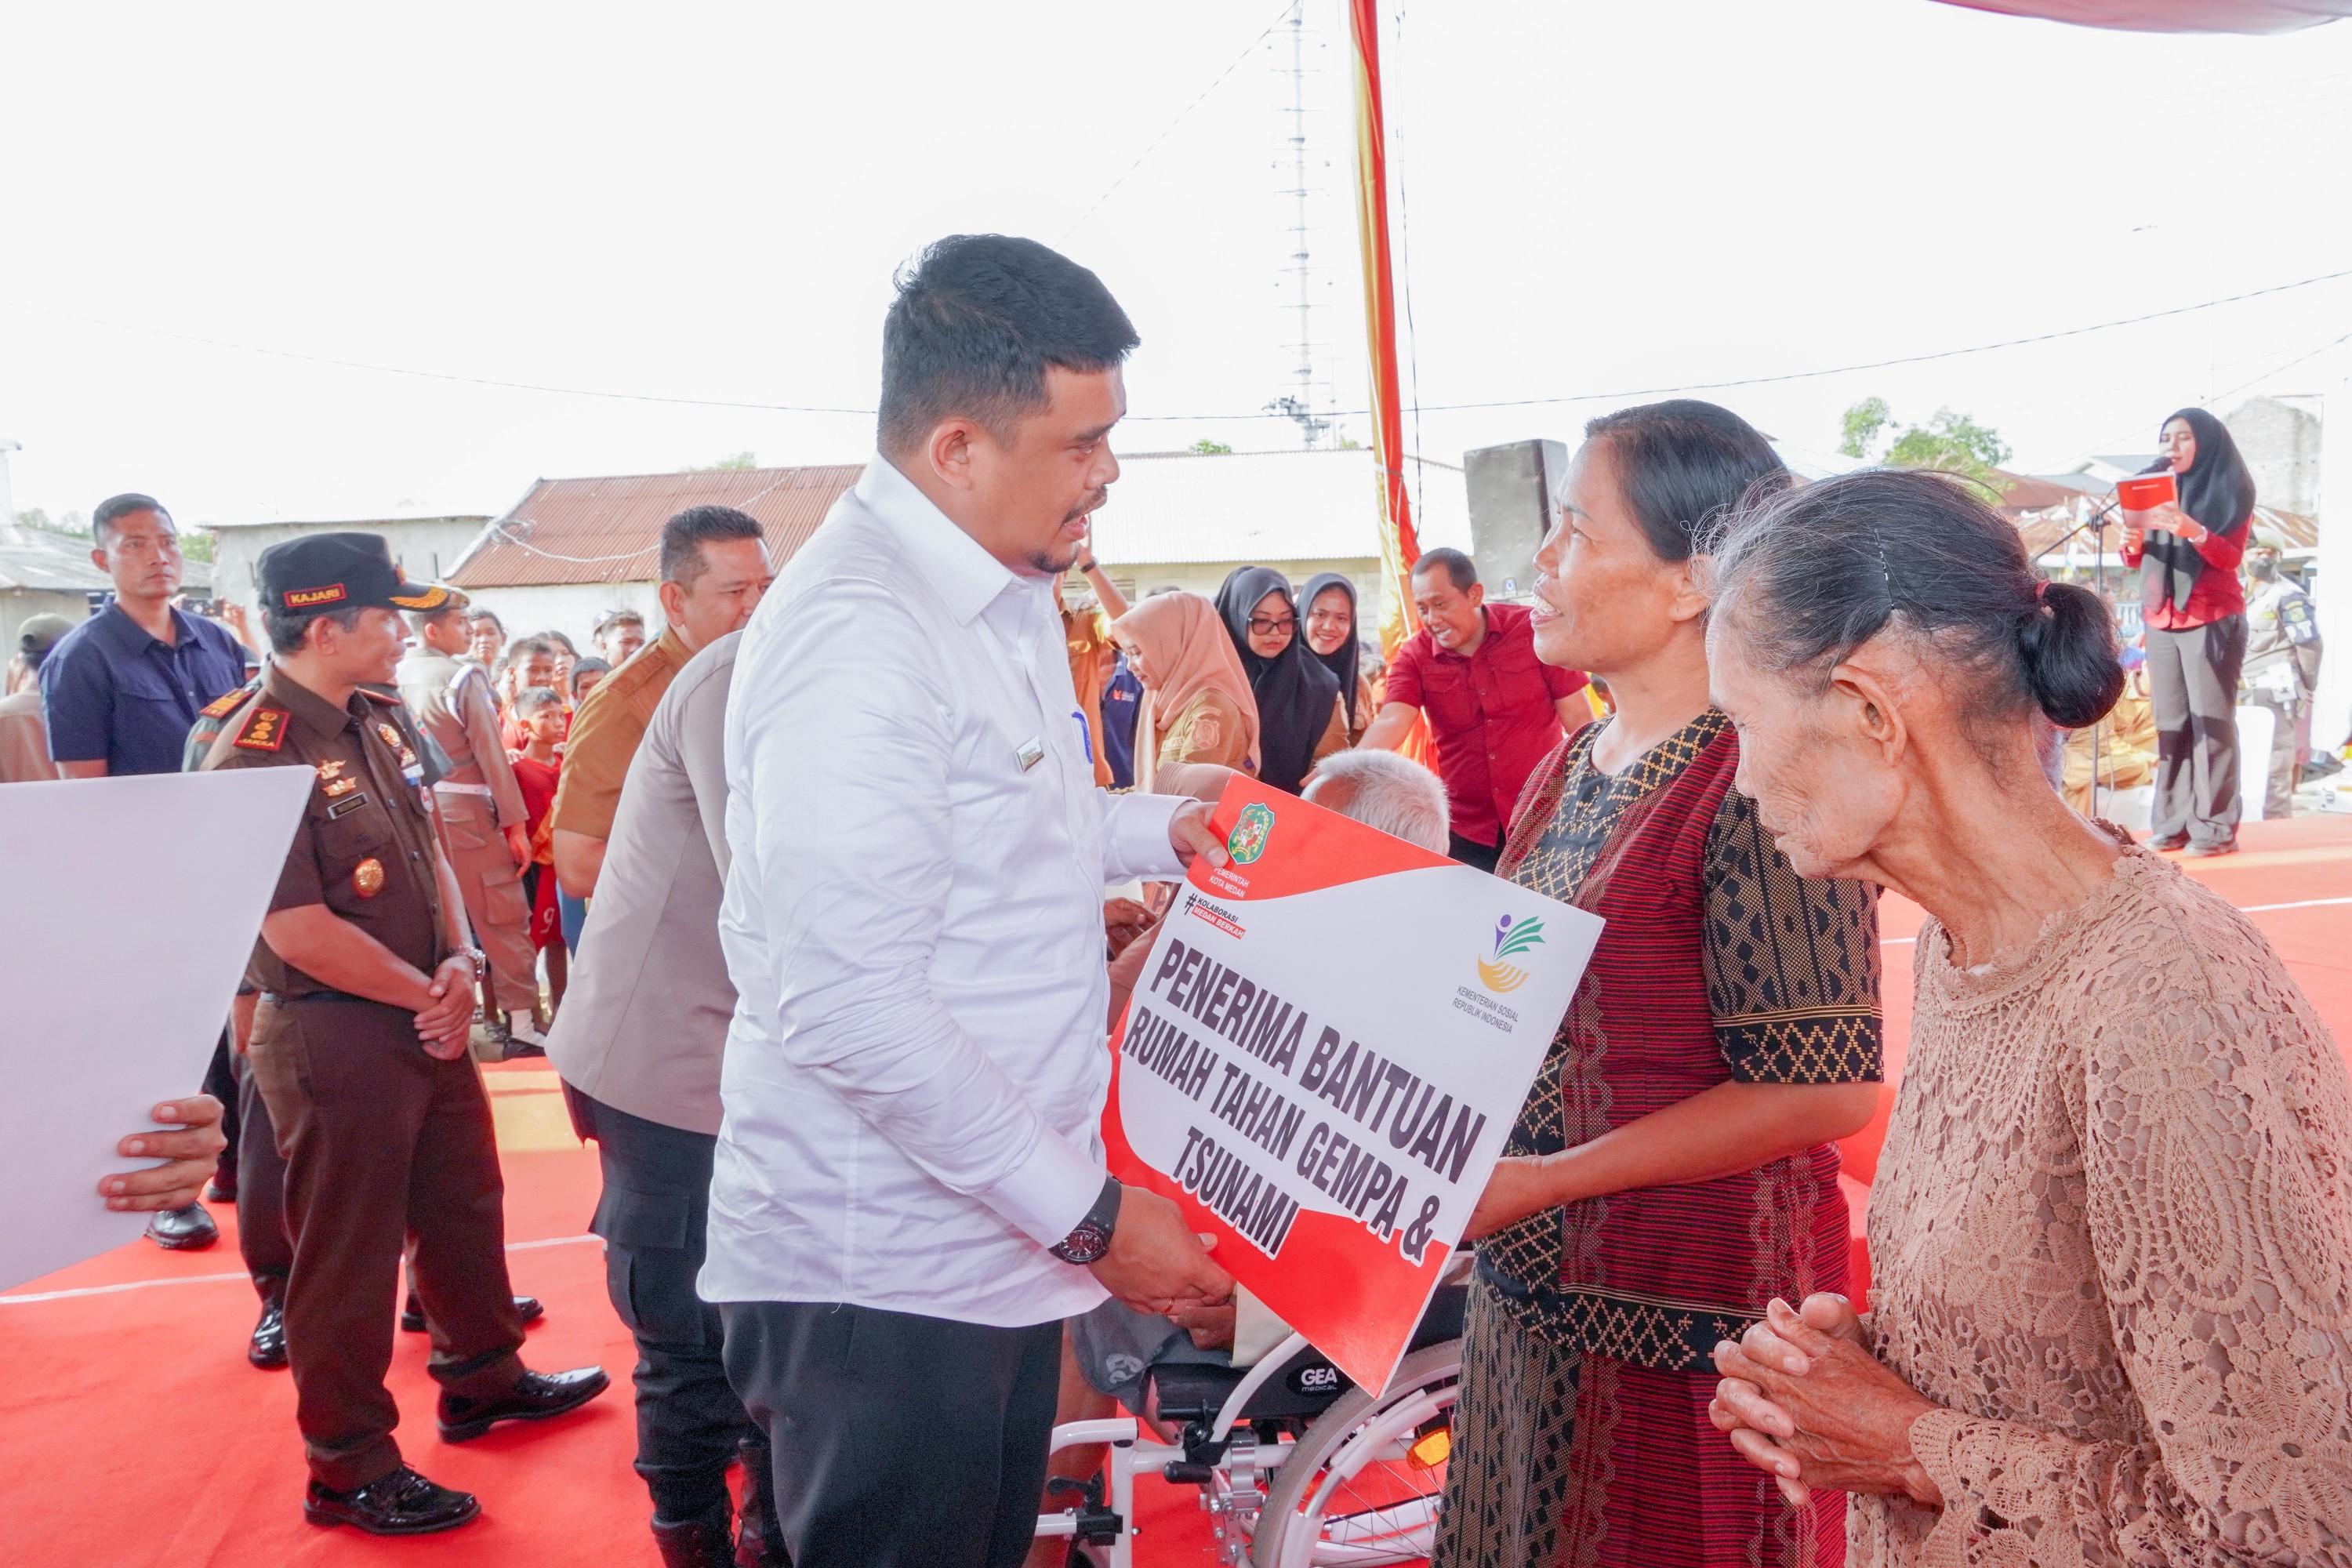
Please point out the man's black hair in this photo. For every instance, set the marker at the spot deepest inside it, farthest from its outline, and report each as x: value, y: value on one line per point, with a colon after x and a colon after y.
x: 977, y: 320
x: 114, y: 509
x: 285, y: 632
x: 1459, y: 569
x: 611, y: 618
x: 683, y: 536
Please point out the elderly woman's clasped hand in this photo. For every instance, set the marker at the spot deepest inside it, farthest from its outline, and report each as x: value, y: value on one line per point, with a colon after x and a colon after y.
x: 1807, y: 1404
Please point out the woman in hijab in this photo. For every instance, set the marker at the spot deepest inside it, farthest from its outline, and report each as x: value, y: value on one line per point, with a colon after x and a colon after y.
x: 1328, y: 617
x: 2195, y: 612
x: 1298, y: 712
x: 1201, y: 706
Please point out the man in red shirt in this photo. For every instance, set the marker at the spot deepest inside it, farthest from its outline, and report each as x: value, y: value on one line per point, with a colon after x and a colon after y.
x: 1495, y: 709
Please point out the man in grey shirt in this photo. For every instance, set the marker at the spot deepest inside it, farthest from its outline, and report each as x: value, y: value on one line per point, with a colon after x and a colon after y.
x: 639, y: 1043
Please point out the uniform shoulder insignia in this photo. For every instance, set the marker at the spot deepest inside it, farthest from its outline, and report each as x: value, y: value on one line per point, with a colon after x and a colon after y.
x: 389, y: 698
x: 263, y: 730
x: 223, y: 706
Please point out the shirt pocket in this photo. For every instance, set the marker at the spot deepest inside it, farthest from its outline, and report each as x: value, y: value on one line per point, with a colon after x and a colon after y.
x: 344, y: 841
x: 1448, y: 696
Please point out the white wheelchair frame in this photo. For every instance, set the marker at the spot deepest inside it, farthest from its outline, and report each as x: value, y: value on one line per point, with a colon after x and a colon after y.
x: 1236, y: 1492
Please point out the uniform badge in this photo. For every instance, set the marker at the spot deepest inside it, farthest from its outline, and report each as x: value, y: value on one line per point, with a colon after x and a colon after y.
x: 392, y: 737
x: 367, y: 878
x: 263, y: 730
x: 222, y: 707
x: 332, y: 768
x: 340, y: 787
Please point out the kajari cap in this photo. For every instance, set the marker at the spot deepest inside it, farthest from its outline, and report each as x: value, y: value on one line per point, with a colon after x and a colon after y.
x: 322, y: 572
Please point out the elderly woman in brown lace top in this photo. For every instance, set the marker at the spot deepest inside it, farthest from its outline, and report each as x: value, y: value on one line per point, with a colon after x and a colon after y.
x: 2112, y: 1231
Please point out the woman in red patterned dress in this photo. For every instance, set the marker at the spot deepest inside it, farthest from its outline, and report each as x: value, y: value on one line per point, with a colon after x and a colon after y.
x: 1673, y: 1168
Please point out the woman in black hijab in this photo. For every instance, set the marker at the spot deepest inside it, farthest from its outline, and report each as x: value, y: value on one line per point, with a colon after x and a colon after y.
x: 1327, y: 621
x: 1297, y: 700
x: 2194, y: 610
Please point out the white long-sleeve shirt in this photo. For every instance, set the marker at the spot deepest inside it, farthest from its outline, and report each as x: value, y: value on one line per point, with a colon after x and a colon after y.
x: 916, y: 1069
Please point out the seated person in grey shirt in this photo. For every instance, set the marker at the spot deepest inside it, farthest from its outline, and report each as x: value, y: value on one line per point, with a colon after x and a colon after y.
x: 638, y: 1044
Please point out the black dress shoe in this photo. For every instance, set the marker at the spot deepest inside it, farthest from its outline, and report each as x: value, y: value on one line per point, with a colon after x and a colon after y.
x: 697, y: 1542
x: 530, y: 1309
x: 222, y: 1188
x: 269, y: 1346
x: 401, y: 1503
x: 182, y: 1230
x: 535, y: 1396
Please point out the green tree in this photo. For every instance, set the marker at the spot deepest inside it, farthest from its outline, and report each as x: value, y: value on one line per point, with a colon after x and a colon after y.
x: 1208, y: 448
x: 735, y: 464
x: 1862, y: 423
x: 1951, y: 442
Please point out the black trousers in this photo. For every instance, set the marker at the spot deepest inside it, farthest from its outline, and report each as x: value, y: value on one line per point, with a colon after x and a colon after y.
x: 2192, y: 682
x: 653, y: 1215
x: 900, y: 1441
x: 261, y: 1233
x: 220, y: 1082
x: 1470, y: 852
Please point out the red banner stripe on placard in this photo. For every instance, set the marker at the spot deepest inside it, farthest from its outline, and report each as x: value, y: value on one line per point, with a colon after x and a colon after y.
x: 1359, y: 852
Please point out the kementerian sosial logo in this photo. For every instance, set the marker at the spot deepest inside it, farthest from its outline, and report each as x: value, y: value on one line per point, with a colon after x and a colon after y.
x: 1250, y: 834
x: 1510, y: 936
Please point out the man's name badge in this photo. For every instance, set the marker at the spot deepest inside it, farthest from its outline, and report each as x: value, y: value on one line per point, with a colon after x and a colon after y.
x: 1030, y: 752
x: 367, y: 878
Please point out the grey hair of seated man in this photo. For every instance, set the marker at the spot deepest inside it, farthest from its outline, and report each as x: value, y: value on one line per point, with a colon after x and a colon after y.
x: 1383, y: 790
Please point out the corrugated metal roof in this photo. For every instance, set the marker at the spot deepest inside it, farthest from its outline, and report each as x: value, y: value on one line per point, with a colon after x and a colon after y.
x: 1169, y: 508
x: 59, y: 563
x: 1166, y: 507
x: 608, y: 529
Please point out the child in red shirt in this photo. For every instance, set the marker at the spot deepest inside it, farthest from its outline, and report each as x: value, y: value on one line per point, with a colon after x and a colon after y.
x: 538, y: 713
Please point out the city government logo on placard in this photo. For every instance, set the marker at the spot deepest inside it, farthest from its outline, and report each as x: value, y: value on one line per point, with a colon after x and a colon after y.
x: 1250, y: 834
x: 1511, y: 937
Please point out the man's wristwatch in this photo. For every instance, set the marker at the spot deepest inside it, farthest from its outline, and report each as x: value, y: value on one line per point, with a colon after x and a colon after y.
x: 475, y: 957
x: 1090, y: 1238
x: 1084, y: 566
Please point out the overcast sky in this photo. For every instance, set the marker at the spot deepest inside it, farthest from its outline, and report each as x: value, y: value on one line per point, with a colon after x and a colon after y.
x: 708, y: 202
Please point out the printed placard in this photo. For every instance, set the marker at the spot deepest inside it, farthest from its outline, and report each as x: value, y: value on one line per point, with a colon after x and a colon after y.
x: 1324, y: 1055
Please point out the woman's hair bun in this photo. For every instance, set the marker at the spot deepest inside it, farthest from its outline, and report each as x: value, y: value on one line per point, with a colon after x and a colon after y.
x: 2072, y: 664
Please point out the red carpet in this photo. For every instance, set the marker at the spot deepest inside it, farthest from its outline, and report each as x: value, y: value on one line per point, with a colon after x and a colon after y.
x: 134, y: 1434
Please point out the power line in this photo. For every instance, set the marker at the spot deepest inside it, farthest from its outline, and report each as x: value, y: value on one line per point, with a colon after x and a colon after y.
x: 427, y: 375
x: 1620, y: 394
x: 1153, y: 145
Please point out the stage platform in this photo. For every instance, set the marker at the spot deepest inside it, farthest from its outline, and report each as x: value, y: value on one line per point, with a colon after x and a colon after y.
x: 134, y: 1434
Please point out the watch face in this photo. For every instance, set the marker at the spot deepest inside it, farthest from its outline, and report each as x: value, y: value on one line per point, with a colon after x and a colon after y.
x: 1086, y: 1244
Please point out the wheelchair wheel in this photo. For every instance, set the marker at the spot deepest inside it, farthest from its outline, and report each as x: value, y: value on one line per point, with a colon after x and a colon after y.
x: 1362, y: 1485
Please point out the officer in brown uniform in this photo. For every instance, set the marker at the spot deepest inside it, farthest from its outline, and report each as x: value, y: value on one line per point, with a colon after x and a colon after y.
x: 359, y: 1047
x: 483, y: 822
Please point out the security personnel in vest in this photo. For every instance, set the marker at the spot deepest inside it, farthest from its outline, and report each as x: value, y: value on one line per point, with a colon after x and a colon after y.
x: 359, y: 1046
x: 483, y: 825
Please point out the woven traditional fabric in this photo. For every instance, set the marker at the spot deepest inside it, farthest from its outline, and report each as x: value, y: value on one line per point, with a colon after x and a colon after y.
x: 1582, y: 1434
x: 2112, y: 1235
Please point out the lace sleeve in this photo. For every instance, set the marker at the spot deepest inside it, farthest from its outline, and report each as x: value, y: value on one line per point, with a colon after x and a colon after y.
x: 2215, y: 1127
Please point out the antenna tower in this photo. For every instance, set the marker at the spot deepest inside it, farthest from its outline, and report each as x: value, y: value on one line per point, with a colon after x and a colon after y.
x: 1298, y: 406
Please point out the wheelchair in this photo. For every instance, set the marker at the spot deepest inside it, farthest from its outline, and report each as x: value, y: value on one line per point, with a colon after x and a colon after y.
x: 1294, y: 1463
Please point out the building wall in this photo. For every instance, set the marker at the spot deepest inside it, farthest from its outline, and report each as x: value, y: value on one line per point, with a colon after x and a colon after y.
x: 2281, y: 445
x: 426, y: 547
x: 570, y: 608
x: 1138, y: 580
x: 18, y: 606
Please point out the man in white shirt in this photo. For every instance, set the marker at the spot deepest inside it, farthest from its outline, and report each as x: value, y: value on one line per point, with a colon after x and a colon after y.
x: 908, y: 1194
